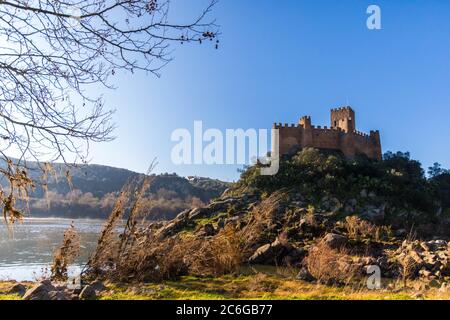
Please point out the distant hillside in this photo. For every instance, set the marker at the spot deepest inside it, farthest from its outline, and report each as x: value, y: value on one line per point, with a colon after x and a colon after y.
x: 91, y: 190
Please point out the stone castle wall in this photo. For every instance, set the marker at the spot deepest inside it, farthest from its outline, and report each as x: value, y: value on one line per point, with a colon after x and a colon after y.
x: 340, y: 136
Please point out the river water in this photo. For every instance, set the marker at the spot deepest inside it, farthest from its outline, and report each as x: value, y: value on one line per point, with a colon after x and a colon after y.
x: 26, y: 252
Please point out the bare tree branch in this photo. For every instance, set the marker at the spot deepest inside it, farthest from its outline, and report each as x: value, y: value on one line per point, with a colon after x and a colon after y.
x: 52, y: 51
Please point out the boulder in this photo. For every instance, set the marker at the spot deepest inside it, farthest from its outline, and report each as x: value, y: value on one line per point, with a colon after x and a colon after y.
x: 400, y: 233
x: 262, y: 254
x: 446, y: 269
x: 88, y: 293
x: 313, y: 224
x: 17, y: 288
x: 77, y: 291
x: 397, y: 221
x: 221, y: 205
x: 298, y: 197
x: 426, y: 229
x: 98, y: 286
x: 59, y: 295
x: 231, y: 220
x: 302, y: 224
x: 426, y: 247
x: 425, y: 273
x: 47, y: 283
x: 195, y: 213
x: 305, y: 275
x: 434, y: 284
x: 177, y: 224
x: 294, y: 257
x: 374, y: 214
x: 350, y: 206
x: 444, y: 287
x: 330, y: 204
x: 275, y: 253
x: 382, y: 262
x: 221, y: 223
x: 40, y: 291
x: 437, y: 244
x: 416, y: 257
x: 209, y: 229
x: 334, y: 241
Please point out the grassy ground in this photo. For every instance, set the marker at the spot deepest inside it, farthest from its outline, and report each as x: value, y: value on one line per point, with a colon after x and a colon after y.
x: 260, y: 285
x: 5, y: 286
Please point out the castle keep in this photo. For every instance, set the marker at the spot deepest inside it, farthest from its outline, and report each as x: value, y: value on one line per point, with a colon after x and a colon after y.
x: 342, y: 135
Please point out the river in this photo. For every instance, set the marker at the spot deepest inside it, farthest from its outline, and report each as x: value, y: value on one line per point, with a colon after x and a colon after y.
x: 26, y: 252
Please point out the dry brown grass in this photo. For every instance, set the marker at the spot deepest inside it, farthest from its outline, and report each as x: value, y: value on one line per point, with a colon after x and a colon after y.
x: 108, y: 243
x: 408, y: 267
x: 65, y: 254
x: 261, y: 282
x: 330, y: 266
x: 261, y: 219
x: 141, y: 254
x: 150, y: 258
x: 217, y: 256
x: 358, y: 229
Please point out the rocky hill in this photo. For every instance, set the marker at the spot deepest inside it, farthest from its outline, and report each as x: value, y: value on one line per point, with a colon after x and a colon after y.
x: 332, y: 217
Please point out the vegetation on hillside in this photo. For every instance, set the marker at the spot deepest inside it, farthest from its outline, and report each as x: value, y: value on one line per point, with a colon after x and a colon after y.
x: 90, y: 191
x: 398, y: 182
x: 322, y: 212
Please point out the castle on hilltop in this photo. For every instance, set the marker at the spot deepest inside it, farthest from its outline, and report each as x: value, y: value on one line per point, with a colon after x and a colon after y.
x: 341, y: 136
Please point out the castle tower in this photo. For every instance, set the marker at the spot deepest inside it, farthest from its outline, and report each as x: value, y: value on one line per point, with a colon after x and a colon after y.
x: 343, y: 118
x: 307, y: 134
x: 376, y: 143
x: 305, y: 122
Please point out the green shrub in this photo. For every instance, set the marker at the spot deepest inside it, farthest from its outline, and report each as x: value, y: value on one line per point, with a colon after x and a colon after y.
x: 397, y: 180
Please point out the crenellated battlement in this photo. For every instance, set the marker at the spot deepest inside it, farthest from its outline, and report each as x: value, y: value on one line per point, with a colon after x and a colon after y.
x: 344, y: 108
x: 284, y: 125
x: 341, y: 135
x: 362, y: 134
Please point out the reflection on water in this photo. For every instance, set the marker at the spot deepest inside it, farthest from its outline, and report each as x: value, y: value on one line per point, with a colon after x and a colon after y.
x: 28, y: 248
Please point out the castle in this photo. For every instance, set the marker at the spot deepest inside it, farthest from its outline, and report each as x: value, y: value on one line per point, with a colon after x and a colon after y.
x: 341, y: 136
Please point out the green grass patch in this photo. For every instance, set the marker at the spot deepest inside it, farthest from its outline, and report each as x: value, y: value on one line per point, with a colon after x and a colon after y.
x: 10, y: 297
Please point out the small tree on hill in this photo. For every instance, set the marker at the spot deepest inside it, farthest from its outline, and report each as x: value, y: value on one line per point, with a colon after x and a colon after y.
x: 437, y: 170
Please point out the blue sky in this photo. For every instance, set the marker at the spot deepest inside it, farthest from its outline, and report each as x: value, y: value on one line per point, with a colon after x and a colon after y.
x: 279, y: 60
